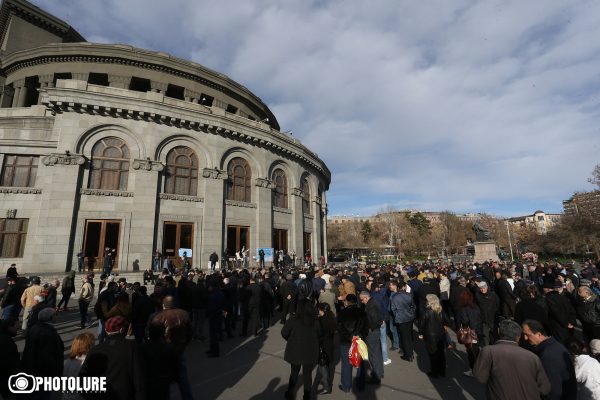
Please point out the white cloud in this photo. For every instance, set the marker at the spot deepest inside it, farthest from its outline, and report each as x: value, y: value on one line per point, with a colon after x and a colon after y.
x: 439, y: 104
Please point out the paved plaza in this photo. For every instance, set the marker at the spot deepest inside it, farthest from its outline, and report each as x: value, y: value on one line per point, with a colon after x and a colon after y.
x: 253, y: 368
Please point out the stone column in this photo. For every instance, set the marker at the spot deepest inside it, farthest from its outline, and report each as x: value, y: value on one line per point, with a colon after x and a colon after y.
x: 58, y: 178
x: 264, y: 214
x: 145, y: 175
x: 324, y: 222
x: 20, y: 92
x: 190, y: 95
x: 118, y: 81
x: 83, y: 76
x: 158, y: 87
x: 316, y: 230
x: 7, y: 96
x: 297, y: 224
x: 46, y: 81
x: 212, y: 221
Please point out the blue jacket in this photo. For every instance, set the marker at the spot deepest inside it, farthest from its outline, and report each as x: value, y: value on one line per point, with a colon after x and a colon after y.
x: 403, y: 307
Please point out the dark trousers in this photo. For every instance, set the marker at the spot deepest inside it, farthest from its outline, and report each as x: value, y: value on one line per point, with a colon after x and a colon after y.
x: 306, y: 375
x: 406, y: 338
x: 472, y: 353
x: 250, y: 321
x: 83, y: 311
x: 214, y: 332
x: 437, y: 359
x: 139, y: 333
x: 327, y: 372
x: 229, y: 322
x: 64, y: 300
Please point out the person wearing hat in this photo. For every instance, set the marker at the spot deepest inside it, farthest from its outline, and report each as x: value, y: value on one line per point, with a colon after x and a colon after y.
x: 28, y: 299
x: 561, y: 314
x: 118, y: 360
x: 44, y: 349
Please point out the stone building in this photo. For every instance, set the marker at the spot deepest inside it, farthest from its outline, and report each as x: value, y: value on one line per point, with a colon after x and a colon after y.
x: 541, y: 221
x: 110, y: 146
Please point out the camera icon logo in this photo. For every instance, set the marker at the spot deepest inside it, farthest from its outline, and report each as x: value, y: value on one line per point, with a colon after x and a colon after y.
x: 21, y: 383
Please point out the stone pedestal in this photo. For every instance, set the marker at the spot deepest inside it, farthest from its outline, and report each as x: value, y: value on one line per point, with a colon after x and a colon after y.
x: 485, y: 251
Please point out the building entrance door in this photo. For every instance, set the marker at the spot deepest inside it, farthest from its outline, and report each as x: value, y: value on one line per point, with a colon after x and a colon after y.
x: 178, y: 235
x: 280, y: 241
x: 237, y: 237
x: 99, y: 235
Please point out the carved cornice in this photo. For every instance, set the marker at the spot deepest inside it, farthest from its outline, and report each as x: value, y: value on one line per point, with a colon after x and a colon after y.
x: 102, y: 192
x: 318, y: 200
x: 236, y: 203
x: 147, y: 165
x: 264, y: 183
x: 180, y: 197
x: 20, y: 190
x: 63, y: 159
x: 309, y: 216
x: 297, y: 192
x: 214, y: 173
x: 282, y: 210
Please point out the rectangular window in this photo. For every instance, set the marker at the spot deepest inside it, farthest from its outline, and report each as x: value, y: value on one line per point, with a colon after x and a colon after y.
x: 174, y: 91
x: 231, y: 109
x: 12, y: 237
x: 206, y: 100
x: 139, y: 84
x: 19, y: 171
x: 99, y: 79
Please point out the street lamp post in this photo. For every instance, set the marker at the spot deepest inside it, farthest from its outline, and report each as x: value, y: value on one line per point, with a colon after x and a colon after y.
x: 512, y: 258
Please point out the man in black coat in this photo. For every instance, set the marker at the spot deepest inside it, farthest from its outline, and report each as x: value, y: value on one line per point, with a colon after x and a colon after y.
x: 508, y: 300
x: 288, y: 291
x: 44, y: 349
x: 456, y: 289
x: 11, y: 301
x: 489, y: 304
x: 10, y: 354
x: 214, y: 313
x: 117, y: 359
x: 430, y: 286
x: 214, y: 259
x: 561, y: 314
x: 556, y: 361
x: 375, y: 320
x: 352, y: 321
x: 142, y: 308
x: 251, y: 308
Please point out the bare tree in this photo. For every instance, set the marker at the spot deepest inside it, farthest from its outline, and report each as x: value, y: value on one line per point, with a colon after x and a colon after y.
x: 595, y: 179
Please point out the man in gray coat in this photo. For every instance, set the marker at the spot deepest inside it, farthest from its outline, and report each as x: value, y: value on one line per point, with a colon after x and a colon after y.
x: 509, y: 371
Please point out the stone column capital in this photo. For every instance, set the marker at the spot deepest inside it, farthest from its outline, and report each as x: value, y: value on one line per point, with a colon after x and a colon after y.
x: 63, y: 159
x: 214, y: 173
x: 119, y: 81
x: 297, y: 192
x: 18, y: 83
x: 156, y: 86
x: 147, y: 165
x: 264, y: 183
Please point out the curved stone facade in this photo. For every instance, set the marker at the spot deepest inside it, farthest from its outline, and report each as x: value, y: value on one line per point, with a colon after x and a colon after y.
x: 113, y: 146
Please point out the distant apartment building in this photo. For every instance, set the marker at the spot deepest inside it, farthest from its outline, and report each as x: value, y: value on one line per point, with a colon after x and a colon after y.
x: 541, y: 221
x: 584, y: 203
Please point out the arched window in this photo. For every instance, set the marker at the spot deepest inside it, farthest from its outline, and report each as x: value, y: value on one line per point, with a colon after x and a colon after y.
x: 181, y: 175
x: 110, y: 164
x: 305, y: 196
x: 280, y: 196
x: 238, y: 182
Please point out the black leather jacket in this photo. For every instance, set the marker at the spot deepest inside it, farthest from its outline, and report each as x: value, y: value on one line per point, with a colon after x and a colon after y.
x: 352, y: 321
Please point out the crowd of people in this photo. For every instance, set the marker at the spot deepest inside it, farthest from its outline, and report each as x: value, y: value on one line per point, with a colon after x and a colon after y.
x: 529, y: 330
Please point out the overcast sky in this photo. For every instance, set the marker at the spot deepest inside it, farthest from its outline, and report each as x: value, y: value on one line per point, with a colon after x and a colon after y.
x: 489, y: 106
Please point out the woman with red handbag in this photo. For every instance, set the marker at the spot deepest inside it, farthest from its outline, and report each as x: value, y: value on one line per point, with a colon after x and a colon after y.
x: 470, y: 327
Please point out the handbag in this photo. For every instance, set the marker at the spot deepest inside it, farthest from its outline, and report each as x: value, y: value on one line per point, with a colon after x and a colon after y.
x: 353, y: 354
x: 288, y: 328
x: 466, y: 335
